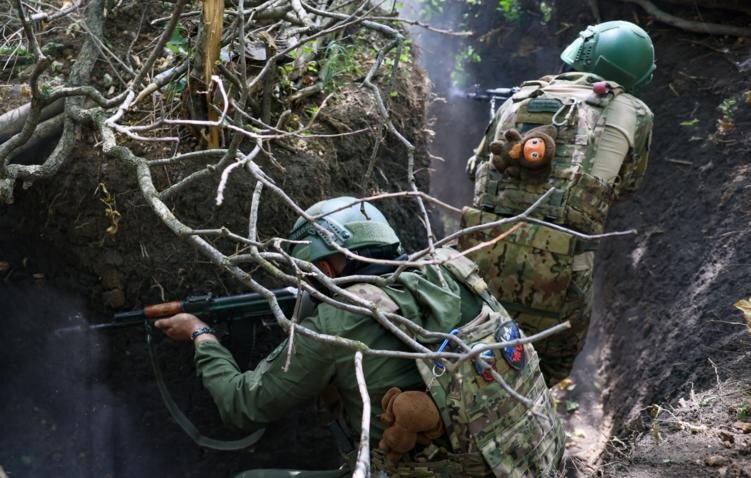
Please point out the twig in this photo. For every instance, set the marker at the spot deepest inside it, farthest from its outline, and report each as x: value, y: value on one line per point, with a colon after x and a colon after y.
x: 679, y: 161
x: 426, y: 26
x: 691, y: 25
x: 362, y: 465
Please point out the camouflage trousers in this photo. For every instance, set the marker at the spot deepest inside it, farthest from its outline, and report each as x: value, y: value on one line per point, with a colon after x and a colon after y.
x: 542, y: 278
x: 558, y: 352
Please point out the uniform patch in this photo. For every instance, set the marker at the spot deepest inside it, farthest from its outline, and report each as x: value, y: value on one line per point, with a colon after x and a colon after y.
x: 489, y: 358
x: 513, y: 354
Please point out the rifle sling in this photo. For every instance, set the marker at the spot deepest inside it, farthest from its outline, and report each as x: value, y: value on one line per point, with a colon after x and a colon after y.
x: 184, y: 422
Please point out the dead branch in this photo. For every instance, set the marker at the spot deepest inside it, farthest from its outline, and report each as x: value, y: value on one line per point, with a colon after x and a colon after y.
x: 79, y: 74
x: 732, y: 5
x: 690, y: 25
x: 362, y: 465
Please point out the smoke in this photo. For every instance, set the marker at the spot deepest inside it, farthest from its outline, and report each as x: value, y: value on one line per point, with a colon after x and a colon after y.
x: 59, y: 416
x: 508, y: 53
x: 78, y: 403
x: 459, y: 122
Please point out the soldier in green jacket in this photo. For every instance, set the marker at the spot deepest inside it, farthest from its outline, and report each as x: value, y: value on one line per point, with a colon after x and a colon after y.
x: 584, y: 133
x: 486, y: 431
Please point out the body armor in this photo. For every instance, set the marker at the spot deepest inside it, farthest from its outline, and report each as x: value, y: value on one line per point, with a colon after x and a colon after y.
x: 581, y: 200
x: 543, y: 276
x: 489, y: 433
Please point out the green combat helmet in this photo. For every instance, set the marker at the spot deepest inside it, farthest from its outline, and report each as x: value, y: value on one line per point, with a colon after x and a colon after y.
x: 354, y: 227
x: 617, y: 51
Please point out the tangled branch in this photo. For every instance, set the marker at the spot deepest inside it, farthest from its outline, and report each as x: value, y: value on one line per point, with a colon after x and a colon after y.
x: 281, y: 38
x: 690, y: 25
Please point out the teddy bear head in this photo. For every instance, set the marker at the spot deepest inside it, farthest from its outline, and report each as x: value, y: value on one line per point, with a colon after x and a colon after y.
x: 526, y: 157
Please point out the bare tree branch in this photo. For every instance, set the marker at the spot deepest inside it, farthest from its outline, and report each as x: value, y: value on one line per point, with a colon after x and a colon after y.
x: 690, y: 25
x: 362, y: 465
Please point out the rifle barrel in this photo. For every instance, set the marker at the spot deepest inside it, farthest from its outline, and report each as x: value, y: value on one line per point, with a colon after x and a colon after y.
x: 129, y: 315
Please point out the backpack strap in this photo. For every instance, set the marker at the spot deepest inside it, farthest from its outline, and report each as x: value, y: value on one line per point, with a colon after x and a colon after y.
x: 467, y: 273
x: 374, y: 294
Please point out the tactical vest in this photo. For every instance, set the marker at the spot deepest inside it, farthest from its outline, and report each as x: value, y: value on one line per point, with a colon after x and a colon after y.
x: 581, y: 200
x: 490, y: 432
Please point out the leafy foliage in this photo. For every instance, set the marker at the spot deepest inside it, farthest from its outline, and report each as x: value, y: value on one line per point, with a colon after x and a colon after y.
x: 510, y: 9
x: 178, y: 44
x: 338, y: 61
x: 547, y: 12
x: 15, y: 50
x: 461, y: 60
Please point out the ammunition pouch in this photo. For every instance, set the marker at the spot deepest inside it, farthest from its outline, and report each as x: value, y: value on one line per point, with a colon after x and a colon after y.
x: 530, y: 270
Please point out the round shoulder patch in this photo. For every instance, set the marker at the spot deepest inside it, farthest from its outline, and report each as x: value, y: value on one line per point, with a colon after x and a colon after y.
x: 513, y: 354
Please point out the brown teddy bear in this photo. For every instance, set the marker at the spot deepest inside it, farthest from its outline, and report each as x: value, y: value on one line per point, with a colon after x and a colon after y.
x: 412, y: 418
x: 525, y: 157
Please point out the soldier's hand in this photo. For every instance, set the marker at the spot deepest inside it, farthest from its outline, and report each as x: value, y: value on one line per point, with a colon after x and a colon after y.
x: 180, y: 327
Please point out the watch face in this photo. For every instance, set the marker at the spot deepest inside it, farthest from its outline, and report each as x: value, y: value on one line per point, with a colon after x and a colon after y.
x: 513, y: 354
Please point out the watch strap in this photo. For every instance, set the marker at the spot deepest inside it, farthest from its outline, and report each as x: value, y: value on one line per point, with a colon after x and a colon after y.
x: 201, y: 331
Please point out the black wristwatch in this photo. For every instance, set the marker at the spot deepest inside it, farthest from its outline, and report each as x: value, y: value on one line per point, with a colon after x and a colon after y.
x: 201, y: 331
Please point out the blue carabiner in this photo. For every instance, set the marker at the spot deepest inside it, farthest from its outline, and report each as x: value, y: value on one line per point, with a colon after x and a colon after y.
x: 443, y: 346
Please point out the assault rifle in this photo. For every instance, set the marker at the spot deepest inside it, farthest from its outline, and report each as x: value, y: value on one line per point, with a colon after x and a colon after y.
x: 213, y: 309
x: 207, y: 307
x: 494, y: 96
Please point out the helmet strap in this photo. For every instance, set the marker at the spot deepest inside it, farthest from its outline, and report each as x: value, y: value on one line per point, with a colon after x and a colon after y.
x: 387, y: 252
x: 565, y: 68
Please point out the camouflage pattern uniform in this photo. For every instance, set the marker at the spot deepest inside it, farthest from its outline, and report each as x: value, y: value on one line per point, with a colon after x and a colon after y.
x: 488, y: 432
x: 540, y: 275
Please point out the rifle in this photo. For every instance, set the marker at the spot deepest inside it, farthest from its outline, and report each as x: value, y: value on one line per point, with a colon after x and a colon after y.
x: 214, y: 309
x: 493, y: 96
x: 211, y: 309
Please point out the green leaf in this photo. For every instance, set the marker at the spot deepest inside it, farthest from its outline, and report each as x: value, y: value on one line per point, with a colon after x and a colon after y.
x: 52, y: 47
x: 510, y: 9
x: 690, y: 123
x: 17, y: 51
x: 459, y: 74
x: 177, y: 44
x: 572, y: 406
x: 707, y: 401
x: 547, y: 12
x: 743, y: 412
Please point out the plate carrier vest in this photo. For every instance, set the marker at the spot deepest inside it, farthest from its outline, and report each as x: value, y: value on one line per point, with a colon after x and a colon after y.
x: 581, y: 201
x: 490, y: 432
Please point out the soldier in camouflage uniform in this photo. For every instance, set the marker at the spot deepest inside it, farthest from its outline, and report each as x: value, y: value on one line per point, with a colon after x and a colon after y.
x: 602, y: 135
x: 487, y: 433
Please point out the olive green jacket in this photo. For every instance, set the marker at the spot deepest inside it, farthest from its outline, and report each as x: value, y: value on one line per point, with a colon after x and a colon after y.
x: 255, y: 398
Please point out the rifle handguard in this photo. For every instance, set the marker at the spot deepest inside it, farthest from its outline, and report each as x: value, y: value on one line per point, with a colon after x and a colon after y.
x: 163, y: 310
